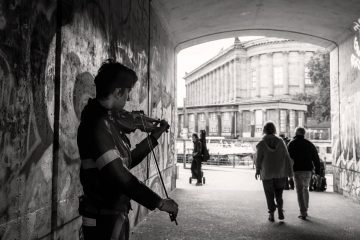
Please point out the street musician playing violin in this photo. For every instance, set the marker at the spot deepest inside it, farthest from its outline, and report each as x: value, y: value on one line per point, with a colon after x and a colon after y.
x: 106, y: 158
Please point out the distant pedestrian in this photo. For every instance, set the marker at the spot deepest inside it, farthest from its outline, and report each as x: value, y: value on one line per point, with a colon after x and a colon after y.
x: 197, y: 159
x: 305, y: 157
x: 273, y: 165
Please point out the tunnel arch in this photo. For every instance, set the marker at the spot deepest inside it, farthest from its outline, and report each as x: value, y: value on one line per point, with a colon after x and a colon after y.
x: 323, y: 23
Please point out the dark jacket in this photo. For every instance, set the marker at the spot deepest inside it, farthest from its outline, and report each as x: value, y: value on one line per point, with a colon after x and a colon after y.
x: 102, y: 143
x: 197, y: 152
x: 304, y: 154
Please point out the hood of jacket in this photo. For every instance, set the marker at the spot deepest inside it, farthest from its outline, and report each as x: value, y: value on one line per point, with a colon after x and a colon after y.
x: 272, y: 142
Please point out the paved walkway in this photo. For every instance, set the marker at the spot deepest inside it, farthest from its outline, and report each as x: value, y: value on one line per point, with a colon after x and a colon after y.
x: 231, y: 205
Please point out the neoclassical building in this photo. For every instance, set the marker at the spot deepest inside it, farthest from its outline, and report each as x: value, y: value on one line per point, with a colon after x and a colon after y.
x: 243, y: 86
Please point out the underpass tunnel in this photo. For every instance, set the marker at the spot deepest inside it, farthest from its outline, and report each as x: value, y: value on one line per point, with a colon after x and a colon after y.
x: 50, y: 52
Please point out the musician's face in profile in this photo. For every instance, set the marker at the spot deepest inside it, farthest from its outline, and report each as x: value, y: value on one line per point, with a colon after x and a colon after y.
x: 121, y: 96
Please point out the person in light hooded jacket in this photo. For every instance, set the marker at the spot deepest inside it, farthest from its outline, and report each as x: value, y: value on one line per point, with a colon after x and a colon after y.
x: 273, y: 166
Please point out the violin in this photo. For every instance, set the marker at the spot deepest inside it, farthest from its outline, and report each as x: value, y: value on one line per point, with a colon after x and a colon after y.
x: 130, y: 121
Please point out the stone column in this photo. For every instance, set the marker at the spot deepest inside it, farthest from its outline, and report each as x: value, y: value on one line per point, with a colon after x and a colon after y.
x: 219, y: 81
x: 283, y: 117
x: 208, y: 95
x: 197, y: 92
x: 301, y: 118
x: 229, y: 92
x: 196, y: 117
x: 292, y: 122
x: 286, y: 72
x: 252, y: 123
x: 222, y: 85
x: 193, y: 93
x: 264, y: 112
x: 190, y: 95
x: 270, y: 74
x: 248, y: 78
x: 213, y: 87
x: 239, y: 123
x: 302, y: 72
x: 258, y: 79
x: 216, y: 81
x: 233, y: 80
x: 219, y: 123
x: 241, y: 77
x: 201, y: 88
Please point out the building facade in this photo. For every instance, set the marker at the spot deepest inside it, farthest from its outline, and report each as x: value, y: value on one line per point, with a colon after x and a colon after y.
x: 237, y: 91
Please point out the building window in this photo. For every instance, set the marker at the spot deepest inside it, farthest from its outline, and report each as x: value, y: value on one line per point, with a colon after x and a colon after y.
x: 308, y: 80
x: 328, y: 149
x: 226, y: 116
x: 278, y: 75
x: 253, y: 78
x: 213, y: 116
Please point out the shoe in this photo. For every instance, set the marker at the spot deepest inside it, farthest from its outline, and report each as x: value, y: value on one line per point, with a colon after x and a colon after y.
x: 281, y: 214
x: 271, y: 217
x: 198, y: 184
x: 303, y: 216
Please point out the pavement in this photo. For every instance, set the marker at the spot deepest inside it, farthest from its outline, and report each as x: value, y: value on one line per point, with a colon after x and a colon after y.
x: 231, y: 205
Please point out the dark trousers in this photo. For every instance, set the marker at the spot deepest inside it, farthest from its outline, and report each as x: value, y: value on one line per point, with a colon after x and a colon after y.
x: 108, y: 227
x: 273, y: 189
x: 196, y: 169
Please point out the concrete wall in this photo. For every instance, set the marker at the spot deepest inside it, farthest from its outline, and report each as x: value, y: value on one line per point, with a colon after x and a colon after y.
x: 47, y: 65
x: 345, y: 104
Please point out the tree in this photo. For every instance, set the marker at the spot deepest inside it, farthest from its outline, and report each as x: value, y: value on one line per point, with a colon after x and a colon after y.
x: 319, y: 73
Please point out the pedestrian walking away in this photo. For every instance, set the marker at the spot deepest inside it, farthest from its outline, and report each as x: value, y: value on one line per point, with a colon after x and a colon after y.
x: 305, y: 157
x: 273, y: 166
x: 106, y: 159
x: 197, y: 159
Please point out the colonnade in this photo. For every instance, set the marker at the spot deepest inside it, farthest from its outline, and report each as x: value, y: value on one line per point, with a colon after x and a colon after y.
x: 252, y: 77
x: 215, y: 87
x: 243, y: 123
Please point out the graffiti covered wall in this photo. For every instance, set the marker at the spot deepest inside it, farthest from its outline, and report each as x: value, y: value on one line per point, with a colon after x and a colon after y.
x: 345, y: 103
x: 35, y: 201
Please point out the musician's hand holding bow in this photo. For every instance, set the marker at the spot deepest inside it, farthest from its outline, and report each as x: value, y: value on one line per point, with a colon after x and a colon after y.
x: 164, y: 126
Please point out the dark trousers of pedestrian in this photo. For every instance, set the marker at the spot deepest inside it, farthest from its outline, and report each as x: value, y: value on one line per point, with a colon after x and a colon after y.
x: 196, y: 169
x: 107, y: 227
x: 273, y: 189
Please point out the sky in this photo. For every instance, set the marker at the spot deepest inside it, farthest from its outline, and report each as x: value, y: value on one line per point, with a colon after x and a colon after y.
x: 190, y: 58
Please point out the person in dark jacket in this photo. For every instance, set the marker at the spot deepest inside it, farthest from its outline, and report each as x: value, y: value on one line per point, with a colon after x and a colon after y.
x: 106, y: 159
x: 197, y: 159
x: 273, y: 165
x: 305, y: 157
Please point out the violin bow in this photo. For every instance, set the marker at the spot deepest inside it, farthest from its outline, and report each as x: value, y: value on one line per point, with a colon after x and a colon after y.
x: 172, y: 217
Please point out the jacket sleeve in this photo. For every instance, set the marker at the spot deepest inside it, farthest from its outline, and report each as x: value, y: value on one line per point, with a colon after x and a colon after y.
x: 112, y: 171
x: 289, y: 162
x: 142, y: 150
x: 315, y: 158
x: 258, y: 157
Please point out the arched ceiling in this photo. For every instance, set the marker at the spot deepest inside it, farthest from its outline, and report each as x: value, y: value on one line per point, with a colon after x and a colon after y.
x: 322, y: 22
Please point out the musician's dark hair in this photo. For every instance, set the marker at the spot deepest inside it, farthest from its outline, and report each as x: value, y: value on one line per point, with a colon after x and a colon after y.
x: 112, y: 75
